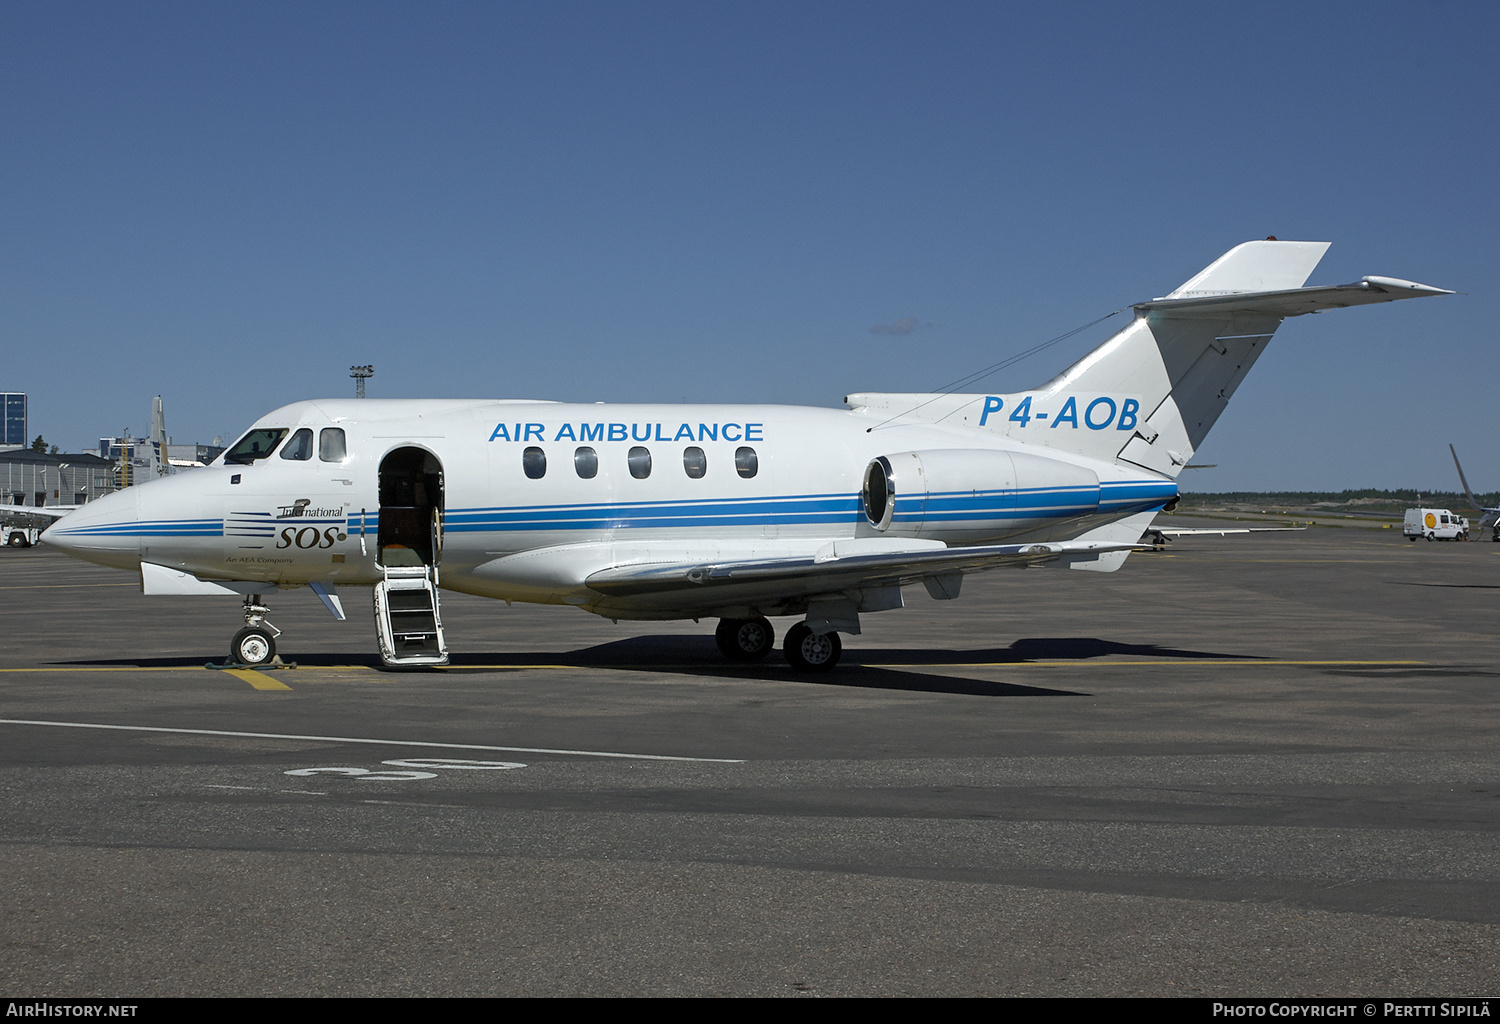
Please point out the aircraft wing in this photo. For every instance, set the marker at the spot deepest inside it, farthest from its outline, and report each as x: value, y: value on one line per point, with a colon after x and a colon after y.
x: 1485, y: 512
x: 30, y: 513
x: 846, y: 564
x: 1291, y: 301
x: 1206, y: 532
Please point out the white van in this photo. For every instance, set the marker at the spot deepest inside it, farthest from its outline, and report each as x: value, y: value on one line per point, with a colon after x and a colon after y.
x: 1434, y: 524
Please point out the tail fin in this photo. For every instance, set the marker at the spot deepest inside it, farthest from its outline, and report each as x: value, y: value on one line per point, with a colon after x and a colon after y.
x: 1185, y: 365
x: 159, y: 464
x: 1150, y: 394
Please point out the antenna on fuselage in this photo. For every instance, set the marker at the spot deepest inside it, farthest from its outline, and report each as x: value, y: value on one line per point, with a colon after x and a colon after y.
x: 360, y: 375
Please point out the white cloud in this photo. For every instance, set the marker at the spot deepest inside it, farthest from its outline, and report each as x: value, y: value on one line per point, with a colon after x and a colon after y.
x: 905, y: 325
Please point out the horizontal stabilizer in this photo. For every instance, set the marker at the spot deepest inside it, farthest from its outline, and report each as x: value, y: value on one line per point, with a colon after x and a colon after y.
x: 1290, y: 301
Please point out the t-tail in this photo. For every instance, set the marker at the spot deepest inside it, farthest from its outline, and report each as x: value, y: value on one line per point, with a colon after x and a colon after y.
x: 159, y: 462
x: 1149, y: 395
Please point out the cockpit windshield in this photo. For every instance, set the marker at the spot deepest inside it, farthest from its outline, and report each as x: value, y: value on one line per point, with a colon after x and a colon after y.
x: 258, y: 444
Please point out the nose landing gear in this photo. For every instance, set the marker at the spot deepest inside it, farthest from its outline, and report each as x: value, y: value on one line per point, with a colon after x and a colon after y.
x: 256, y: 643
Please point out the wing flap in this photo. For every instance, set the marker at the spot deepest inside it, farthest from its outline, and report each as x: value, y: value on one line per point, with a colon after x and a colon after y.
x: 833, y: 572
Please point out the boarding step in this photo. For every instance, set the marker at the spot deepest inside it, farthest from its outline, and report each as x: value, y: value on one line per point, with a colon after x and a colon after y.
x: 407, y: 618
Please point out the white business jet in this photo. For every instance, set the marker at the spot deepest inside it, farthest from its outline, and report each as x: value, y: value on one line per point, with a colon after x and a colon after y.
x: 739, y: 513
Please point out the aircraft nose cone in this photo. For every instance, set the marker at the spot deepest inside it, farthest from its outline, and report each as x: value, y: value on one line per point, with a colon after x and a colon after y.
x: 107, y: 530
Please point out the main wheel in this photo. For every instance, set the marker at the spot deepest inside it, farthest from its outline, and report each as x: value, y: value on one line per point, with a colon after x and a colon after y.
x: 252, y: 646
x: 745, y: 639
x: 807, y: 651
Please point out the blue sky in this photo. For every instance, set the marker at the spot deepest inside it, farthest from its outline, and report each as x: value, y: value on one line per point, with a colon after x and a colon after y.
x: 230, y: 204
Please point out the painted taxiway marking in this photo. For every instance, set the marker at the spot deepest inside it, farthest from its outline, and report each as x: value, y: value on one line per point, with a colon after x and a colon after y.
x: 259, y: 680
x: 66, y: 586
x: 1238, y: 662
x: 1051, y: 663
x: 375, y: 742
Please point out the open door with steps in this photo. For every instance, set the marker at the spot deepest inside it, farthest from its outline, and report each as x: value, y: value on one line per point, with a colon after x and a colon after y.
x: 408, y: 620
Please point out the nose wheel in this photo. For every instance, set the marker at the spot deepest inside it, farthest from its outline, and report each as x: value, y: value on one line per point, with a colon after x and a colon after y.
x: 256, y: 643
x: 253, y: 645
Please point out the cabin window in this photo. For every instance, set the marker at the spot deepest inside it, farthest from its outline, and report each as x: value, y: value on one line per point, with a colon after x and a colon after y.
x: 331, y: 446
x: 534, y: 462
x: 254, y: 446
x: 639, y: 461
x: 299, y: 448
x: 746, y: 464
x: 586, y: 462
x: 694, y: 462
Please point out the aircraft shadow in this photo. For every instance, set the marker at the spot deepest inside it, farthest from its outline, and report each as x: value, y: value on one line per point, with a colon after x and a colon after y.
x: 1459, y: 586
x: 877, y: 668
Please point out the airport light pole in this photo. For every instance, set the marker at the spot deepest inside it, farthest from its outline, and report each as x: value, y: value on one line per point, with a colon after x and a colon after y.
x: 360, y: 375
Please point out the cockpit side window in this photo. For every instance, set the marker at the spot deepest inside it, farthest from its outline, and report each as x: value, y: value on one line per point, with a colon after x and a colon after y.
x: 256, y: 445
x: 299, y: 448
x: 331, y: 447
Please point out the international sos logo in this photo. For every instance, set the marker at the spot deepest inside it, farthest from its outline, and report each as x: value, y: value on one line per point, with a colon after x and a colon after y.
x: 310, y: 536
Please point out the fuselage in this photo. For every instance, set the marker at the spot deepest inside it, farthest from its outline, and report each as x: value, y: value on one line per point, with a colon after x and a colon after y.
x: 528, y: 498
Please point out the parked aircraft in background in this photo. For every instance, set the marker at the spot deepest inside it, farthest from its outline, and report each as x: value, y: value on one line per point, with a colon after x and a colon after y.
x: 1489, y: 517
x: 739, y: 513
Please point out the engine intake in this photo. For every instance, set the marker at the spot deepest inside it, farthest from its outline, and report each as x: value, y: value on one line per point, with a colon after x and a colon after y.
x: 973, y: 492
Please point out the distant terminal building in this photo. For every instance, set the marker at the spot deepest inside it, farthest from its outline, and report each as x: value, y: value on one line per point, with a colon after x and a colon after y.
x: 13, y: 429
x: 35, y: 478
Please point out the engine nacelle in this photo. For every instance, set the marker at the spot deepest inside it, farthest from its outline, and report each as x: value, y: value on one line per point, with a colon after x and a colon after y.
x: 974, y: 493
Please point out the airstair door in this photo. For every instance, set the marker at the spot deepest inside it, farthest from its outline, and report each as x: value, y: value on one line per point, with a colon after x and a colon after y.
x: 408, y: 619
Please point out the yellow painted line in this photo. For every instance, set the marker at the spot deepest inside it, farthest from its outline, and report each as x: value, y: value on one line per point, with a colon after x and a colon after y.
x: 1239, y: 662
x: 259, y: 680
x: 110, y: 668
x: 1300, y: 561
x: 1056, y: 663
x: 67, y: 586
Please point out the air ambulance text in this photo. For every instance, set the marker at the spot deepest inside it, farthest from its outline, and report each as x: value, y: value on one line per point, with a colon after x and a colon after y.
x: 666, y: 433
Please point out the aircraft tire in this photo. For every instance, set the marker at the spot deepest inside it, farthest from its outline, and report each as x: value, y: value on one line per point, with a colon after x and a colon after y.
x: 252, y: 646
x: 807, y: 651
x: 745, y: 639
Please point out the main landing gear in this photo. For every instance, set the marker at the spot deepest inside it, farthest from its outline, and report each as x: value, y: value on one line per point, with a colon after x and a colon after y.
x: 256, y: 643
x: 747, y: 640
x: 807, y: 651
